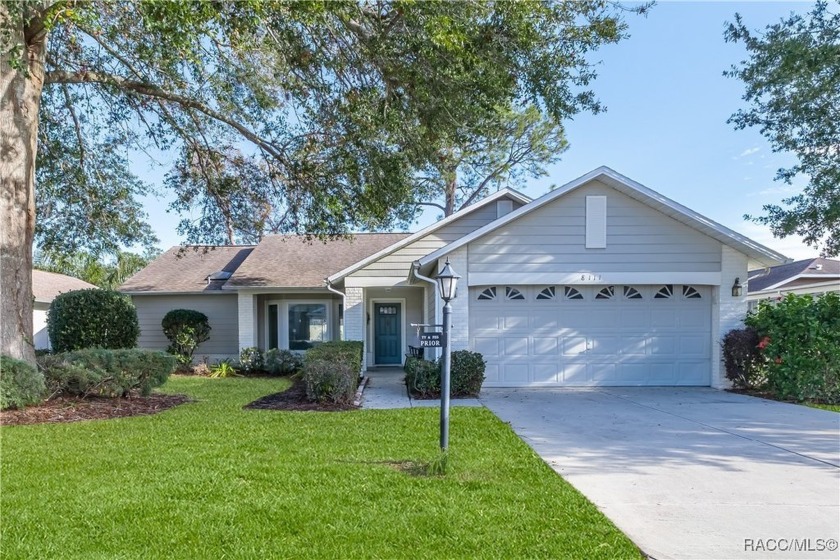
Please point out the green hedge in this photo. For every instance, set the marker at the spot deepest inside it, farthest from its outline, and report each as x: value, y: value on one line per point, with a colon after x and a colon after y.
x: 423, y: 377
x: 92, y: 318
x: 282, y: 362
x: 108, y: 373
x: 331, y: 371
x: 21, y: 384
x: 800, y: 345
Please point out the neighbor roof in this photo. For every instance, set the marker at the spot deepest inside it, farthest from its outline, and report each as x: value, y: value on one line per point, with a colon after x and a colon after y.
x: 47, y: 285
x: 818, y: 269
x: 291, y: 261
x: 187, y: 270
x: 639, y: 192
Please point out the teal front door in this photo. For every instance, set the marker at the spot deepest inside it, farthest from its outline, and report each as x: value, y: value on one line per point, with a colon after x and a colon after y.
x: 387, y: 333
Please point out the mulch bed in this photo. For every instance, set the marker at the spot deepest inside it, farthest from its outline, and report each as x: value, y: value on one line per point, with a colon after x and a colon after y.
x: 74, y: 409
x: 294, y: 398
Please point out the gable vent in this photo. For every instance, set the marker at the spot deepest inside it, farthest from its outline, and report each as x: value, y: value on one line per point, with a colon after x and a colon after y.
x: 503, y: 207
x: 596, y: 222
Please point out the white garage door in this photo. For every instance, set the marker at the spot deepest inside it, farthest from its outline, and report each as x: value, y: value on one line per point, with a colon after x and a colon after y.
x: 592, y: 335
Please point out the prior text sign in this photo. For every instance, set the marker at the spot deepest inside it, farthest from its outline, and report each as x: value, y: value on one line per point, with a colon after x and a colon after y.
x: 432, y: 340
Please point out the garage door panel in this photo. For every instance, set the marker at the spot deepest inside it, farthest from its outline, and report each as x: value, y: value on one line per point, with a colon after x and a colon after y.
x: 545, y: 346
x: 574, y: 345
x: 662, y: 345
x: 617, y: 341
x: 515, y: 373
x: 515, y: 346
x: 576, y: 374
x: 546, y: 374
x: 487, y: 346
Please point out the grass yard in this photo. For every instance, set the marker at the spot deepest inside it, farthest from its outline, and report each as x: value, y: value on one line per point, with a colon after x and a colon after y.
x: 210, y: 480
x: 832, y: 407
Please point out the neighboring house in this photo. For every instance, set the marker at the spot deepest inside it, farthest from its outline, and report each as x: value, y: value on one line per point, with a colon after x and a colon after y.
x: 45, y: 286
x: 599, y: 282
x: 809, y: 276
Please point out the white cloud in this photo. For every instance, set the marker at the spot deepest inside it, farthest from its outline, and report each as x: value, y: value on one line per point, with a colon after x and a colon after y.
x: 749, y: 152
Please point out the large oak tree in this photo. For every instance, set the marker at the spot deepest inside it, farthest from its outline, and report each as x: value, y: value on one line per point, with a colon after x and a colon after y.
x: 328, y: 109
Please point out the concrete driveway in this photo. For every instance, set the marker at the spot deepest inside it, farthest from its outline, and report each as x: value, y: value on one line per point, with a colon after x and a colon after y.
x: 691, y: 473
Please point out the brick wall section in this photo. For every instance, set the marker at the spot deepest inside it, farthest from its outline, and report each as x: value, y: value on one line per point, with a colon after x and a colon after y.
x: 730, y: 312
x: 247, y: 305
x: 461, y: 304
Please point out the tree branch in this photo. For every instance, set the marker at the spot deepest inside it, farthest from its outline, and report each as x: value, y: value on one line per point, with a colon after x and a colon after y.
x: 436, y: 205
x: 69, y: 103
x: 151, y: 90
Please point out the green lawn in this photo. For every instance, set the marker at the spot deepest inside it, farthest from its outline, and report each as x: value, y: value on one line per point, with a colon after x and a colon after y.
x: 210, y: 480
x: 832, y: 407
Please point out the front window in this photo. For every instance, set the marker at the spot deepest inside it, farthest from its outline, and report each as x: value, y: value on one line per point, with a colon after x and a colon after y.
x: 307, y: 325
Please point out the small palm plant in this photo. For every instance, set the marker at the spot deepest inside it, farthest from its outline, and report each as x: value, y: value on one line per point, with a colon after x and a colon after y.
x: 223, y: 369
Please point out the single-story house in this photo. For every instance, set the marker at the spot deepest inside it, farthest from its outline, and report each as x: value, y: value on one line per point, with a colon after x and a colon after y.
x: 602, y: 281
x: 45, y: 286
x: 809, y: 276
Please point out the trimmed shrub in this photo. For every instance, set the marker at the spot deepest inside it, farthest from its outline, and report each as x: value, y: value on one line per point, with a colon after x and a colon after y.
x: 331, y: 371
x: 21, y: 384
x: 185, y: 329
x: 742, y: 358
x: 106, y: 373
x: 282, y: 362
x: 467, y: 373
x: 423, y: 377
x: 251, y: 359
x: 92, y: 318
x: 800, y: 336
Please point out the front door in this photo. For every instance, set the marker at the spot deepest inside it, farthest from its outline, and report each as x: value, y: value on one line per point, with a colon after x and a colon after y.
x: 387, y: 333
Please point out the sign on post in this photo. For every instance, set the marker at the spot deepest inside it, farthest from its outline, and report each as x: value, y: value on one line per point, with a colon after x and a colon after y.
x: 432, y: 340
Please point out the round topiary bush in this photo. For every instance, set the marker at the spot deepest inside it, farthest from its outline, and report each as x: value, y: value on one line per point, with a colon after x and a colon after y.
x: 92, y: 318
x: 185, y: 329
x: 20, y: 383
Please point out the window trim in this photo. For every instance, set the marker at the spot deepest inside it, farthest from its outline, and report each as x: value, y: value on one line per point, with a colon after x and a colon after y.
x: 283, y: 312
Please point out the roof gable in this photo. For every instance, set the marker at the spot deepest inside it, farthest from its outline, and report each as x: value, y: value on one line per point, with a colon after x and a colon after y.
x: 502, y: 193
x: 636, y: 191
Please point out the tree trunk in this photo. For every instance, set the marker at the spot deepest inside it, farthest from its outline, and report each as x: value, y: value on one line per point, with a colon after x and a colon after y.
x: 451, y: 187
x: 20, y: 101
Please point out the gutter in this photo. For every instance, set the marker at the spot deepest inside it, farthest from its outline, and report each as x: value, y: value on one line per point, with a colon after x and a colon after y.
x: 416, y: 266
x: 328, y: 285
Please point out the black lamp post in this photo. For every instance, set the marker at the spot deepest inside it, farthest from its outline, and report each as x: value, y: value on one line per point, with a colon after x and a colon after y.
x: 448, y: 284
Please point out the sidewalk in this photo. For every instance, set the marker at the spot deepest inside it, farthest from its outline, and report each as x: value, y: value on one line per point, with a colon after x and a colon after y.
x: 386, y: 389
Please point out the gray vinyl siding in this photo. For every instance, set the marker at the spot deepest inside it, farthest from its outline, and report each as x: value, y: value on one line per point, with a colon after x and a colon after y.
x: 398, y: 263
x: 552, y: 239
x: 221, y: 310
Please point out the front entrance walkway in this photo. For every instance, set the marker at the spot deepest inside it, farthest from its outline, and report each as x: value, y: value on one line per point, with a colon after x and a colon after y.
x: 691, y: 473
x: 386, y: 389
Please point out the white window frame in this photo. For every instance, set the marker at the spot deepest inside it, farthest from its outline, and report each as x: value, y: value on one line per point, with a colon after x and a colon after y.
x: 283, y: 316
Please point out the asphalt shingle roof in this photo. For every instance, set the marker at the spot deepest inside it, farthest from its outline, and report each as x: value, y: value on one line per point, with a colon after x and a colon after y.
x: 295, y: 262
x: 764, y: 278
x: 47, y: 285
x: 186, y: 269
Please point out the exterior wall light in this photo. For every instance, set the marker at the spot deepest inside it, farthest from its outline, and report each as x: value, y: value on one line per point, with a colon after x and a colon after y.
x: 737, y: 288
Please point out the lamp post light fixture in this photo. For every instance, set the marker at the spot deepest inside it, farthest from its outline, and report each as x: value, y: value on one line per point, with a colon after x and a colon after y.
x: 447, y: 283
x: 737, y: 288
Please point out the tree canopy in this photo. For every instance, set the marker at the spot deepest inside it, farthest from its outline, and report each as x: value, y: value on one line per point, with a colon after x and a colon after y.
x: 314, y: 116
x: 792, y: 79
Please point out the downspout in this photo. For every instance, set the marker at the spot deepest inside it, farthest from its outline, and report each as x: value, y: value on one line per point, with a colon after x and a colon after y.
x: 328, y: 285
x: 434, y: 284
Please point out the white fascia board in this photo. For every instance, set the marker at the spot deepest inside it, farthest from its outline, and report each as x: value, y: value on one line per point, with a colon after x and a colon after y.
x: 828, y: 280
x: 833, y: 285
x: 170, y: 293
x: 506, y: 192
x: 375, y: 281
x: 627, y: 186
x: 592, y: 278
x: 256, y: 290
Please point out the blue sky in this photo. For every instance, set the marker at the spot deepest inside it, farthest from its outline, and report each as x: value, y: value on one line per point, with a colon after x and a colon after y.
x: 665, y: 126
